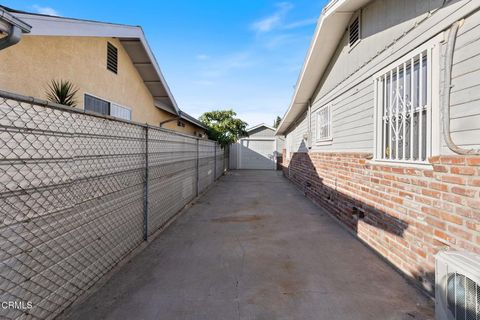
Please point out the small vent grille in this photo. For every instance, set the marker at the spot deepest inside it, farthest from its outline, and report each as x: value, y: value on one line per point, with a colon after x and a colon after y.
x: 112, y: 58
x: 354, y: 31
x: 463, y: 297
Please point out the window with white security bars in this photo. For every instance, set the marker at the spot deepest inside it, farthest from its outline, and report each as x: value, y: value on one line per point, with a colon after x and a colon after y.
x: 324, y: 124
x: 403, y: 109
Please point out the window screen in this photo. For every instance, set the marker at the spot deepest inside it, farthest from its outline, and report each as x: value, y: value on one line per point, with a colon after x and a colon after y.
x: 97, y: 105
x: 120, y: 112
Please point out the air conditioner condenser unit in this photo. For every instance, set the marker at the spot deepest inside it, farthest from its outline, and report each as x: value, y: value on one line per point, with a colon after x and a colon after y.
x: 457, y: 286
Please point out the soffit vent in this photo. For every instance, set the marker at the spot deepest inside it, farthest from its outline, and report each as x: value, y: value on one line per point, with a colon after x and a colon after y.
x: 112, y: 58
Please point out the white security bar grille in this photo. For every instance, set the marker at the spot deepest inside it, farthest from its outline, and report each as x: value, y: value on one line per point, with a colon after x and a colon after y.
x: 404, y: 111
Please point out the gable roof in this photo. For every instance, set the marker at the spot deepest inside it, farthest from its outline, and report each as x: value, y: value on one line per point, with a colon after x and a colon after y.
x: 132, y: 39
x: 260, y: 126
x: 329, y: 31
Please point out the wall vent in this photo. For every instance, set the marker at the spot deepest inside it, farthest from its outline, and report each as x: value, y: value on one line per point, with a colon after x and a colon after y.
x: 112, y: 58
x: 354, y: 31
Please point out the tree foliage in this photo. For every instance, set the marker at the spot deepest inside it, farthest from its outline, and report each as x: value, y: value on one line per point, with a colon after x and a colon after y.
x: 277, y: 121
x: 224, y: 127
x: 62, y: 92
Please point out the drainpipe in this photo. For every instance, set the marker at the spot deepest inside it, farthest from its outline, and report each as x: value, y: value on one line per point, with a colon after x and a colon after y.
x: 13, y: 27
x: 445, y: 99
x: 169, y: 120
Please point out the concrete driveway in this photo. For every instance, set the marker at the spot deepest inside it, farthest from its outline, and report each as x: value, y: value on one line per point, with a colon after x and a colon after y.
x: 254, y: 248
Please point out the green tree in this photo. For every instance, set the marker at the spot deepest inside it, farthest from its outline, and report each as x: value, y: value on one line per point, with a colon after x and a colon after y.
x: 223, y: 126
x: 277, y: 121
x: 62, y: 92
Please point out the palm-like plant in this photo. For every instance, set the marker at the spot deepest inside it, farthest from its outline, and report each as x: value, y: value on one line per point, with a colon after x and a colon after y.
x: 62, y: 92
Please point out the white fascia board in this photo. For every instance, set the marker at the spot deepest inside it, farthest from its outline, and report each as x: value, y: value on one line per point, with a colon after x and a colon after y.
x: 259, y: 126
x: 58, y: 26
x: 159, y: 72
x: 330, y: 29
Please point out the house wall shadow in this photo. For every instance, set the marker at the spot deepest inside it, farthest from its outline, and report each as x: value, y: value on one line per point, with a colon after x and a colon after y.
x: 381, y: 231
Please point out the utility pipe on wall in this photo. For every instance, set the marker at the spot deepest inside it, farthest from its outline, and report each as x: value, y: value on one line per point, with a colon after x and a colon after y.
x: 445, y: 98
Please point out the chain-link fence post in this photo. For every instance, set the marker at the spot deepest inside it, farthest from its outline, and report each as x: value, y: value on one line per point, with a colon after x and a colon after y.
x: 197, y: 169
x: 145, y: 191
x: 226, y: 157
x: 215, y: 161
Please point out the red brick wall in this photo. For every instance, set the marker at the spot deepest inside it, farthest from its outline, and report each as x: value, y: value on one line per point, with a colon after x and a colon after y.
x: 406, y: 214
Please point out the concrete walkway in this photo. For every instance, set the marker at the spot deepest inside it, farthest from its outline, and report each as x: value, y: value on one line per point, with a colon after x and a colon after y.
x: 254, y: 248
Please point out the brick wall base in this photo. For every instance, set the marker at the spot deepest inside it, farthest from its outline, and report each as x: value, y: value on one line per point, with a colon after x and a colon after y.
x: 406, y: 214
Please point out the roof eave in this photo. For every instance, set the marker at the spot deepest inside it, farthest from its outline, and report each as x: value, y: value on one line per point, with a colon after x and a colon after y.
x: 259, y: 126
x: 328, y: 33
x: 77, y: 27
x: 6, y: 16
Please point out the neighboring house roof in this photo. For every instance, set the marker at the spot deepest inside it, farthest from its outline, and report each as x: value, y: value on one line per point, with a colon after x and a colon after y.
x: 11, y: 29
x: 330, y: 29
x: 185, y: 116
x: 259, y: 126
x: 131, y: 37
x: 7, y: 20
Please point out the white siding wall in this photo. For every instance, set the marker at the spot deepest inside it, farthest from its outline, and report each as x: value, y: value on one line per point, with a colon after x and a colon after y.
x: 280, y: 144
x: 352, y: 120
x: 465, y: 94
x: 295, y: 138
x: 391, y: 29
x: 382, y: 21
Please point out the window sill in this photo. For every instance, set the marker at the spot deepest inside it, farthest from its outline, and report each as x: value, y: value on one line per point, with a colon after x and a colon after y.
x: 393, y: 163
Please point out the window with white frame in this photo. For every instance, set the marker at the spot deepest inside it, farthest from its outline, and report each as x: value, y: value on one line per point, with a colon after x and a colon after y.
x: 105, y: 107
x: 323, y: 124
x: 403, y: 109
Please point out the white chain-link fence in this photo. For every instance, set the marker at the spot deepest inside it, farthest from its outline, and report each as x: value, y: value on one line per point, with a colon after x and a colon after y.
x: 78, y: 192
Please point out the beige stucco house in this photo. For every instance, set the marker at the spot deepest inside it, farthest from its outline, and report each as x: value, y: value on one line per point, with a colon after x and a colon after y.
x: 112, y: 65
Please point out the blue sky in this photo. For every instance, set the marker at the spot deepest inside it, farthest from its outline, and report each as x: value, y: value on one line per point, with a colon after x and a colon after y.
x: 244, y: 54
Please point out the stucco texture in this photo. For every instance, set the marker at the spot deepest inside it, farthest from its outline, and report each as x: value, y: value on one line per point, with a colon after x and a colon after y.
x: 28, y: 67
